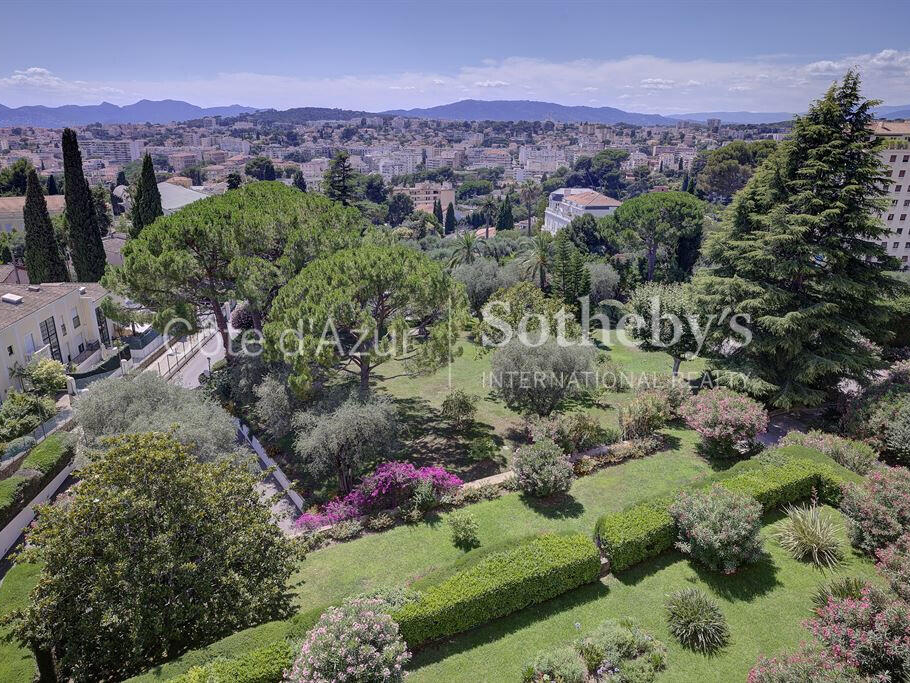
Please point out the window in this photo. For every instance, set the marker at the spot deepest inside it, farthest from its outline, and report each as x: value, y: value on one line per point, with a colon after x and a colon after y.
x: 893, y: 158
x: 896, y: 245
x: 898, y: 188
x: 901, y: 174
x: 102, y: 327
x: 903, y: 216
x: 9, y: 350
x: 890, y: 216
x: 906, y: 158
x: 49, y: 336
x: 74, y: 314
x: 62, y: 329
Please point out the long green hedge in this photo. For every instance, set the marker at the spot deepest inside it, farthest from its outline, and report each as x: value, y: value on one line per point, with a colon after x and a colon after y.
x: 264, y: 665
x: 647, y: 529
x: 500, y: 584
x: 48, y: 459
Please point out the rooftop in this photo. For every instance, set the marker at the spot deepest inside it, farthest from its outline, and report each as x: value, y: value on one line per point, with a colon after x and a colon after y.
x: 174, y: 197
x: 56, y: 203
x: 591, y: 199
x: 891, y: 127
x: 48, y: 293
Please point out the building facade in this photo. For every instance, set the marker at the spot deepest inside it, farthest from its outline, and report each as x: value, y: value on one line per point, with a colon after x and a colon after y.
x: 896, y: 156
x: 567, y: 203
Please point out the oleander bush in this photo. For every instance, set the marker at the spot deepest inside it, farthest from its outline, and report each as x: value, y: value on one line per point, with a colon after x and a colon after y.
x: 464, y: 530
x: 719, y: 528
x: 695, y: 620
x: 727, y: 422
x: 840, y: 588
x: 810, y: 535
x: 574, y: 432
x: 672, y: 390
x: 894, y: 564
x: 809, y: 664
x: 542, y: 469
x: 619, y: 652
x: 356, y: 642
x: 499, y: 584
x: 878, y: 510
x: 643, y: 415
x: 854, y: 455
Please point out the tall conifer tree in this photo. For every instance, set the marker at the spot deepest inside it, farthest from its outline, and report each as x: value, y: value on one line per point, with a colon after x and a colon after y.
x: 450, y: 219
x: 52, y: 185
x: 42, y: 257
x: 86, y: 247
x: 147, y: 206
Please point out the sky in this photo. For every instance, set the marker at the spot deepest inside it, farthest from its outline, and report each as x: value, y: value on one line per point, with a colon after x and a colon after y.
x: 656, y: 57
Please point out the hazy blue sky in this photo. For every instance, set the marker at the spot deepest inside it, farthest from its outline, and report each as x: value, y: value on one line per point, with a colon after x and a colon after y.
x: 645, y: 56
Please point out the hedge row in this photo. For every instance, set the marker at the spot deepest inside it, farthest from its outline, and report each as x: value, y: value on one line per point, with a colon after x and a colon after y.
x: 500, y: 584
x: 45, y: 462
x: 647, y: 529
x: 264, y: 665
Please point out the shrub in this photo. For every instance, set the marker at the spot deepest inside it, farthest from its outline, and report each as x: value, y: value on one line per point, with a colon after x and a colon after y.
x: 380, y: 521
x: 273, y: 407
x: 632, y: 449
x: 346, y: 530
x: 44, y: 462
x: 391, y: 598
x: 672, y: 390
x: 464, y: 530
x: 424, y: 497
x: 242, y: 318
x: 871, y: 634
x: 894, y: 565
x: 810, y: 664
x: 458, y: 407
x: 643, y: 415
x: 878, y: 510
x: 641, y: 532
x: 839, y: 589
x: 500, y: 584
x: 854, y: 455
x: 543, y: 469
x: 538, y: 378
x: 612, y: 378
x: 21, y: 414
x: 727, y: 422
x: 584, y: 466
x: 808, y: 535
x: 888, y: 426
x: 695, y: 620
x: 262, y: 665
x: 45, y: 376
x: 564, y: 665
x: 574, y: 432
x: 718, y: 528
x: 357, y: 639
x: 18, y: 446
x: 483, y: 448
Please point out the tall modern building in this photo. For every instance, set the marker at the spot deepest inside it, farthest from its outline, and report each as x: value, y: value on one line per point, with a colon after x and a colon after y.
x: 896, y: 157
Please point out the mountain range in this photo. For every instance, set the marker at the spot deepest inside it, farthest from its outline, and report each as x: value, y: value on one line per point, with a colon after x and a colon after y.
x: 151, y: 111
x: 166, y: 111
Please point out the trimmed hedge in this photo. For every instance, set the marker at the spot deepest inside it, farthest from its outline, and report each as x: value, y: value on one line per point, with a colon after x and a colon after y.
x: 47, y: 459
x: 17, y: 446
x: 646, y: 530
x: 264, y: 665
x: 500, y: 584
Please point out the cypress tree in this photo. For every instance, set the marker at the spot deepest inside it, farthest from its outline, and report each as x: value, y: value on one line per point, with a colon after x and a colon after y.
x: 87, y: 249
x: 121, y: 178
x: 299, y: 181
x: 52, y: 185
x: 801, y: 253
x: 147, y: 206
x: 339, y: 178
x: 504, y: 219
x: 42, y: 258
x: 437, y: 210
x: 450, y: 219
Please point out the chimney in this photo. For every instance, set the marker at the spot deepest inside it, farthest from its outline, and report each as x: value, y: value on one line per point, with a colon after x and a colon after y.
x: 10, y: 298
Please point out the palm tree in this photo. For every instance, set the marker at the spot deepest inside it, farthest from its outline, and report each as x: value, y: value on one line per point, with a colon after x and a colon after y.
x: 541, y: 254
x: 466, y: 247
x: 529, y: 192
x: 489, y: 209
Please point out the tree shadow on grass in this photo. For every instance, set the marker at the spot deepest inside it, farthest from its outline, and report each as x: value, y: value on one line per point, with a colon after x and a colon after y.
x: 748, y: 583
x: 643, y: 570
x: 563, y: 506
x: 505, y: 626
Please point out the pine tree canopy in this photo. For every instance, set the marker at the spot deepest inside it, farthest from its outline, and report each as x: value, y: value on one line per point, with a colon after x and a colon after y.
x: 801, y: 253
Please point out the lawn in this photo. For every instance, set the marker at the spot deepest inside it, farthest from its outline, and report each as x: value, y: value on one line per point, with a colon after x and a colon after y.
x: 16, y: 663
x: 765, y: 605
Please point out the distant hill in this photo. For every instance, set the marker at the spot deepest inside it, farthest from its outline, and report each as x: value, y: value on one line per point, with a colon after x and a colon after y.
x: 305, y: 114
x: 530, y: 110
x: 898, y: 111
x: 736, y: 116
x: 152, y: 111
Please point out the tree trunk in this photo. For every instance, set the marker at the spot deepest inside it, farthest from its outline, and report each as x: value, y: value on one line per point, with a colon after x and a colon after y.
x: 44, y: 659
x: 257, y: 318
x: 529, y: 221
x: 543, y: 279
x: 652, y: 260
x: 221, y: 322
x: 365, y: 375
x: 676, y: 361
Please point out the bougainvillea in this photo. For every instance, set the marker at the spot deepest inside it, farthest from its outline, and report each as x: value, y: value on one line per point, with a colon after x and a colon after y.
x: 871, y: 634
x: 391, y: 485
x: 355, y: 643
x: 727, y: 422
x: 878, y: 510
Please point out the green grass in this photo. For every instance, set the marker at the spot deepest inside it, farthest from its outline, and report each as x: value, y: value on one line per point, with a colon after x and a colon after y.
x: 16, y: 662
x: 765, y: 605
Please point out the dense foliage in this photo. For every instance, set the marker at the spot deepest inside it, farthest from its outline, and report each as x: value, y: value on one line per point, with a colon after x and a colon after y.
x: 542, y: 469
x: 727, y: 422
x: 695, y: 620
x: 878, y: 510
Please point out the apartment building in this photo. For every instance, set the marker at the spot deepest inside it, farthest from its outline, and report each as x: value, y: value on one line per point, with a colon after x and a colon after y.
x: 896, y: 157
x: 11, y: 216
x: 121, y: 151
x: 425, y: 194
x: 567, y: 203
x: 59, y: 320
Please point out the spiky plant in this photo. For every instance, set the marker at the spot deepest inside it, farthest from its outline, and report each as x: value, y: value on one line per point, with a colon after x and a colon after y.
x: 808, y: 535
x: 695, y: 620
x: 838, y: 589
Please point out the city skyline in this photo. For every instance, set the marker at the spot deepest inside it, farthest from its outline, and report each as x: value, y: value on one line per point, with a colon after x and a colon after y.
x: 665, y: 58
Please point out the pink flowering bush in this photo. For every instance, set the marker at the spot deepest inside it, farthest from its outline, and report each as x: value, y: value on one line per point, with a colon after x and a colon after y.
x: 878, y: 510
x: 718, y: 528
x: 854, y: 455
x: 354, y: 643
x: 392, y: 484
x: 809, y: 664
x: 871, y: 634
x: 894, y: 565
x: 727, y: 422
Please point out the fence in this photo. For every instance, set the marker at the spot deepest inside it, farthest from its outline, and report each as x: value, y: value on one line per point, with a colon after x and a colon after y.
x: 266, y: 462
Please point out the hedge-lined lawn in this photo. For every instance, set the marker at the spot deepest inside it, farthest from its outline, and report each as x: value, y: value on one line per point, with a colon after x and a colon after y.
x: 16, y: 663
x: 409, y: 553
x: 765, y: 605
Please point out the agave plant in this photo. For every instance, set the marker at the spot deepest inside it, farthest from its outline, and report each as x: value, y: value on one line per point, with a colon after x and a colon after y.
x: 809, y: 535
